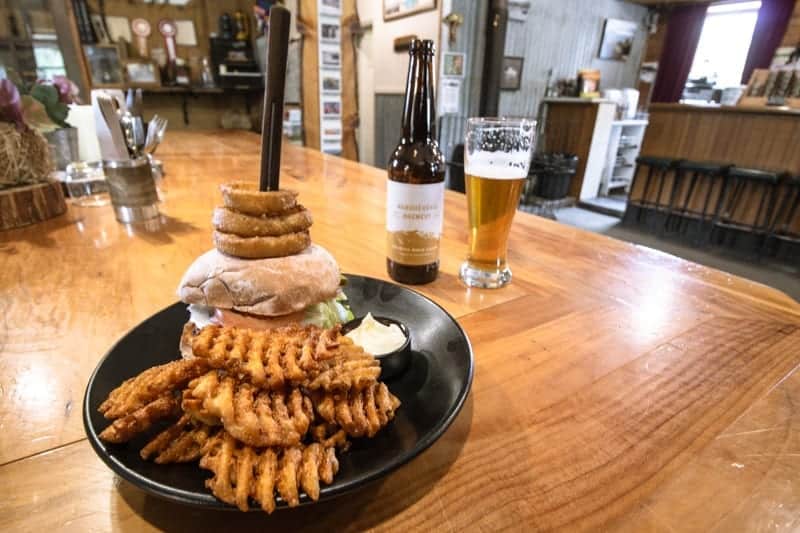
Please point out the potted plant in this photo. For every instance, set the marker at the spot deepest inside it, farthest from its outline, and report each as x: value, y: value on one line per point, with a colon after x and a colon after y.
x: 55, y: 97
x: 27, y: 194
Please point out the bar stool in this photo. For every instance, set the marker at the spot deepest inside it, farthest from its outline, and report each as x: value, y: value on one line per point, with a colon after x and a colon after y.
x: 691, y: 210
x: 784, y: 231
x: 639, y: 208
x: 735, y: 206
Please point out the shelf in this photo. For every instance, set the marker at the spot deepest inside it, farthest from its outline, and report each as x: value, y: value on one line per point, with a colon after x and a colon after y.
x: 630, y: 122
x: 185, y: 92
x: 195, y: 90
x: 627, y: 147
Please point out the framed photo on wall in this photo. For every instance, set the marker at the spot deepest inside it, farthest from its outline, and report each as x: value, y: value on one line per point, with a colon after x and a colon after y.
x: 395, y: 9
x: 511, y: 74
x: 142, y: 73
x: 105, y: 64
x: 617, y: 41
x: 453, y: 64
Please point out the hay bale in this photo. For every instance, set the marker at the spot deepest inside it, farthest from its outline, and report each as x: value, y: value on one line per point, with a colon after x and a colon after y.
x: 25, y: 157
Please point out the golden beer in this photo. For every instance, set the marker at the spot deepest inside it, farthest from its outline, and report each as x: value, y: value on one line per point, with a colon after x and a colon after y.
x: 492, y: 203
x: 496, y: 160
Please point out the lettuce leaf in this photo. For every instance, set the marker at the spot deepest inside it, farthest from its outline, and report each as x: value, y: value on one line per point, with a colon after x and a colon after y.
x: 329, y: 313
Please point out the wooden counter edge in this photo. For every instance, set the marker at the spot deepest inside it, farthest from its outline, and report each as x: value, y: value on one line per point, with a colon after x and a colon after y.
x: 759, y: 110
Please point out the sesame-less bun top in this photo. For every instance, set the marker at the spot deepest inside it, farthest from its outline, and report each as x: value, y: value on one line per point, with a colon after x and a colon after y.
x: 269, y: 287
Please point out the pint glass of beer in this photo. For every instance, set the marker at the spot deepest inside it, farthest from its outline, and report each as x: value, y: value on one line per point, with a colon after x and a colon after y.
x: 497, y: 154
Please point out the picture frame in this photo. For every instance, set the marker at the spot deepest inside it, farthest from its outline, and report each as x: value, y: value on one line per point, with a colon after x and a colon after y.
x: 142, y: 73
x: 453, y: 64
x: 330, y: 30
x: 395, y: 9
x: 99, y: 27
x: 331, y: 7
x: 331, y: 108
x: 119, y: 29
x: 331, y: 130
x: 331, y: 57
x: 331, y: 81
x: 511, y: 73
x: 617, y: 41
x: 105, y: 62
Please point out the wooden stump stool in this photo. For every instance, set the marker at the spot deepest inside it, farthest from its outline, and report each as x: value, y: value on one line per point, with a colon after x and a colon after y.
x: 29, y: 204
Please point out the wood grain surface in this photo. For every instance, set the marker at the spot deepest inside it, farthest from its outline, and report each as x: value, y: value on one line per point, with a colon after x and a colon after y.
x: 569, y: 128
x: 30, y: 204
x: 758, y: 137
x: 616, y: 387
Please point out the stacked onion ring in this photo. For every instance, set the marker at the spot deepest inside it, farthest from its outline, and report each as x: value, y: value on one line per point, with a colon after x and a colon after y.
x: 257, y: 224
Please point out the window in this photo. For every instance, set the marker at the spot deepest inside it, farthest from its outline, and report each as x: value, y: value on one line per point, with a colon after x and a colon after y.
x: 722, y: 50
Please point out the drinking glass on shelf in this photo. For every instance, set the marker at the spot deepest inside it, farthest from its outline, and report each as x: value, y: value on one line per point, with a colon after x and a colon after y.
x: 497, y: 155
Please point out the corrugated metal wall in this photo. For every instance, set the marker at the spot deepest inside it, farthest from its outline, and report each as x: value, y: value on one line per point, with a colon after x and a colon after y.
x: 565, y: 35
x: 470, y: 40
x: 388, y: 118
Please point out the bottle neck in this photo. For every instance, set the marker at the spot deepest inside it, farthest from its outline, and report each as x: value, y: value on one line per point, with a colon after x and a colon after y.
x: 419, y: 111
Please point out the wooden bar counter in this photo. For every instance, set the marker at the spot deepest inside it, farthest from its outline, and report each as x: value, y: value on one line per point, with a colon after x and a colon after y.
x: 762, y: 138
x: 616, y: 387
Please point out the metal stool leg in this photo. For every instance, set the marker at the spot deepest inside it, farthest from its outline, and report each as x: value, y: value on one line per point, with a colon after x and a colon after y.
x: 738, y: 188
x: 786, y: 223
x: 777, y: 216
x: 683, y: 224
x: 704, y: 213
x: 662, y: 177
x: 676, y: 185
x: 643, y: 202
x: 721, y: 201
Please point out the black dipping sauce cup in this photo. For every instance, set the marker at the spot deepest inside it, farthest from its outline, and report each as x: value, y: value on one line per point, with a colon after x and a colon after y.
x: 395, y: 362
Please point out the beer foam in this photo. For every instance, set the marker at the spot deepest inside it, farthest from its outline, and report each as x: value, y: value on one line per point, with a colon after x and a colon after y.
x: 498, y: 165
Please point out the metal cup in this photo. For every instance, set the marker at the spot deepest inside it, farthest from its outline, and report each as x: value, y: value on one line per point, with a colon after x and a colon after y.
x: 132, y: 189
x: 63, y: 146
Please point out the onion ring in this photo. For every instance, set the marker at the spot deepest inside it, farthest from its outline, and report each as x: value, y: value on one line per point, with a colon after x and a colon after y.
x: 261, y: 247
x: 227, y: 221
x: 246, y: 198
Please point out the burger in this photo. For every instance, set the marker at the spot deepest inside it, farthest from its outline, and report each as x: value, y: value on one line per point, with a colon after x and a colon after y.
x: 303, y: 288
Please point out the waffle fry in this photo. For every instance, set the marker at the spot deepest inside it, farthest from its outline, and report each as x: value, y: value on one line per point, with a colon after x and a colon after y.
x: 242, y: 472
x: 183, y: 442
x: 351, y: 368
x: 265, y: 411
x: 359, y: 413
x: 330, y: 436
x: 257, y: 418
x: 125, y: 428
x: 268, y: 359
x: 154, y: 382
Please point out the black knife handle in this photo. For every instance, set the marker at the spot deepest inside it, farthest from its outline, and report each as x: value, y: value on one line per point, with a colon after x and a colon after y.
x: 272, y: 118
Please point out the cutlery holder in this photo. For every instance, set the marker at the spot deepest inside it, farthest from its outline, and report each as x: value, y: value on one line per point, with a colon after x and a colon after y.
x: 132, y: 189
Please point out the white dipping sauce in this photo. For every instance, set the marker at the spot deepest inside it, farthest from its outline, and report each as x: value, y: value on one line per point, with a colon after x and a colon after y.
x: 377, y: 338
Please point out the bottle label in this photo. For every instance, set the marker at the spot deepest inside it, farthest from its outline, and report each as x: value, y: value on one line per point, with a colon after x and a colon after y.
x: 414, y: 222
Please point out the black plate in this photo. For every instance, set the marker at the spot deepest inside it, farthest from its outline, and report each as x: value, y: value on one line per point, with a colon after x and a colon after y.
x: 432, y: 390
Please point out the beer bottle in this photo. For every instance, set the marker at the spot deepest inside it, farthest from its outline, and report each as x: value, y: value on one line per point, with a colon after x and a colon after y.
x: 415, y: 190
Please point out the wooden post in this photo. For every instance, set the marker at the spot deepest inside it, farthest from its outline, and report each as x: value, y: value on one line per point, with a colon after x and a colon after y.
x: 308, y: 19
